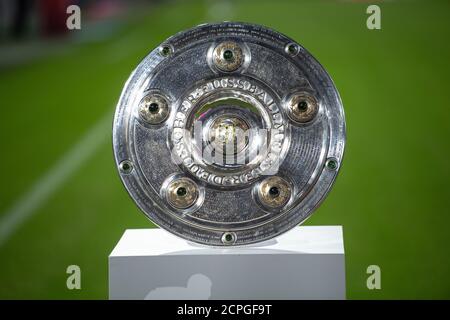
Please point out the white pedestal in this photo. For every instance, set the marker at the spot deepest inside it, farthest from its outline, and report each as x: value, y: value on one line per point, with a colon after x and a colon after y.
x: 305, y: 263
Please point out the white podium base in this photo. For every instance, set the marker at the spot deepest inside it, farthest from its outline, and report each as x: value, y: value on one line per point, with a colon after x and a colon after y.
x: 305, y: 263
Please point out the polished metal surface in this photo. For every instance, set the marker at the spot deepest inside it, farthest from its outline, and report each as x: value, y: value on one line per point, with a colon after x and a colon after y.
x: 228, y: 134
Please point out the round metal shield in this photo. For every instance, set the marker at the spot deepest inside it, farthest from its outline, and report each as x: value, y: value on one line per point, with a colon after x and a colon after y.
x: 228, y: 134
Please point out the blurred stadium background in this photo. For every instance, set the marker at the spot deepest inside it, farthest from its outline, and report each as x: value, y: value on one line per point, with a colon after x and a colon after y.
x: 62, y: 203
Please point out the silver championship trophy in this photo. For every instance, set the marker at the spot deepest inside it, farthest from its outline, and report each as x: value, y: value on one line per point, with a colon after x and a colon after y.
x: 229, y: 134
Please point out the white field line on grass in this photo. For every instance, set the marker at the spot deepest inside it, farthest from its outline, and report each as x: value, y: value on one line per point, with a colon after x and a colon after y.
x: 28, y: 204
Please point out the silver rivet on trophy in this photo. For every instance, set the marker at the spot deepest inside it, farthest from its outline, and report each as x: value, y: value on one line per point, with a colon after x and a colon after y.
x: 154, y: 109
x: 274, y: 192
x: 228, y: 238
x: 126, y: 167
x: 303, y: 107
x: 292, y: 49
x: 228, y: 56
x: 165, y: 50
x: 332, y: 164
x: 182, y: 193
